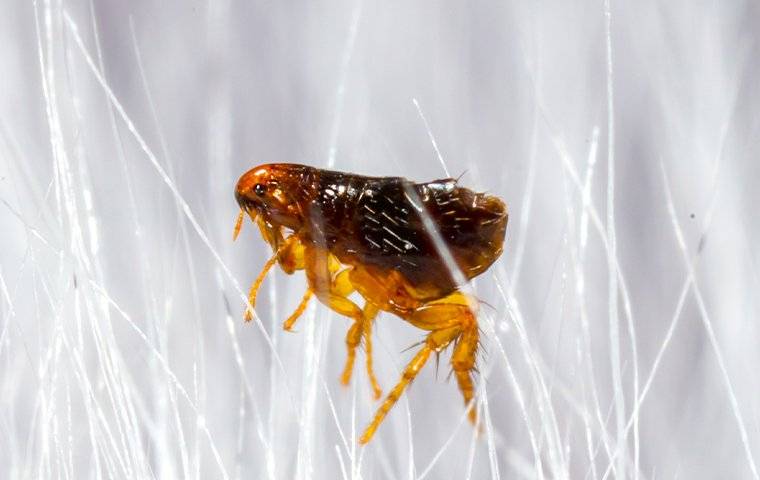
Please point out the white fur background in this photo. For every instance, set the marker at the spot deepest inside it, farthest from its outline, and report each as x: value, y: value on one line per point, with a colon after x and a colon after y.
x: 620, y: 332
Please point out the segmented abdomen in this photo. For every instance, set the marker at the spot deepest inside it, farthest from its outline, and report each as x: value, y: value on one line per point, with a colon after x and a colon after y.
x: 387, y: 223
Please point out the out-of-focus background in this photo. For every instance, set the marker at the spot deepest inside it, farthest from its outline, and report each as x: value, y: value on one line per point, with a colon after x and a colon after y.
x: 620, y: 333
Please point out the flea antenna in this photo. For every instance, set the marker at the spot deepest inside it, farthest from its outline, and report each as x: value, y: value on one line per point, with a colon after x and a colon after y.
x: 238, y: 225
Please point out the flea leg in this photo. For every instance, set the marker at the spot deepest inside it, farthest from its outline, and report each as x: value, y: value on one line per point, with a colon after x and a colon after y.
x: 353, y: 339
x: 361, y: 329
x: 291, y: 256
x: 456, y: 309
x: 341, y: 305
x: 463, y: 361
x: 435, y: 342
x: 248, y: 316
x: 451, y: 319
x: 370, y: 312
x: 330, y: 287
x: 288, y: 325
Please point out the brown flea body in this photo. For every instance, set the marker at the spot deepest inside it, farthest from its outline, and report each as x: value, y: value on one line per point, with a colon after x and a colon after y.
x: 405, y: 247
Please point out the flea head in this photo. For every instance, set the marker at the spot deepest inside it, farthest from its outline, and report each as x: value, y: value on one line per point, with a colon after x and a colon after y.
x: 272, y: 193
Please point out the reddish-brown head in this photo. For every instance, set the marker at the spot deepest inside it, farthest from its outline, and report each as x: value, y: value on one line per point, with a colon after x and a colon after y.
x: 273, y: 191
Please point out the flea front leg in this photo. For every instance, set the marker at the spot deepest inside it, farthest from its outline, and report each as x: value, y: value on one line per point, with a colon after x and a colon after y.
x: 289, y: 253
x: 294, y: 258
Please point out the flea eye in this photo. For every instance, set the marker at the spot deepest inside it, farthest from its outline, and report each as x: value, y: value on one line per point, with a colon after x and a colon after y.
x: 259, y: 189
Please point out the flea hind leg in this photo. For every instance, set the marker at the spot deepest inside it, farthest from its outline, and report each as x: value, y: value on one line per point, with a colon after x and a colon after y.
x: 463, y: 362
x: 456, y: 310
x: 435, y: 342
x: 451, y: 319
